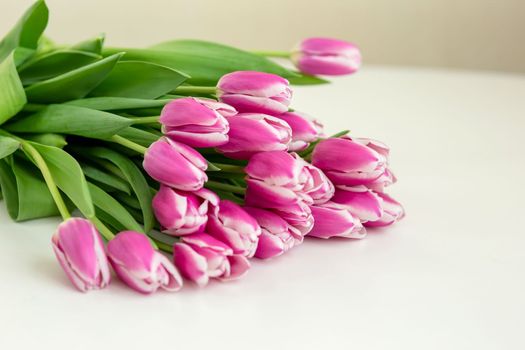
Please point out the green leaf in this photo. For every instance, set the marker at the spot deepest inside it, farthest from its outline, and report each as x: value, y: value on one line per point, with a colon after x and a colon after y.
x: 27, y: 30
x: 93, y: 45
x: 68, y: 176
x: 55, y: 140
x: 12, y: 95
x: 117, y: 103
x: 110, y: 206
x: 74, y: 84
x: 54, y: 63
x: 137, y: 79
x: 25, y: 192
x: 139, y: 136
x: 71, y: 120
x: 105, y: 178
x: 204, y: 62
x: 8, y: 146
x: 304, y: 79
x: 133, y: 175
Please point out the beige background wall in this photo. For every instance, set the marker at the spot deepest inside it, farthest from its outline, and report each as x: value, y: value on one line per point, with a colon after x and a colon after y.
x: 473, y: 34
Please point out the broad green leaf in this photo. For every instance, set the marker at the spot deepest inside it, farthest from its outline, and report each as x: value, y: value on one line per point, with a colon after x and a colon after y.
x: 8, y: 146
x: 55, y: 140
x: 129, y: 201
x: 71, y: 120
x: 135, y: 79
x: 304, y: 79
x: 117, y: 103
x: 111, y: 207
x: 21, y: 55
x: 27, y: 30
x: 106, y: 178
x: 133, y: 175
x: 68, y: 175
x: 74, y: 84
x: 139, y: 136
x: 25, y: 192
x: 93, y: 45
x: 204, y: 62
x: 12, y: 95
x: 53, y: 64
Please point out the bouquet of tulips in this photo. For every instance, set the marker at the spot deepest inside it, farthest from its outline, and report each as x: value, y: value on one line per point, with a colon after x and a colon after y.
x: 179, y: 161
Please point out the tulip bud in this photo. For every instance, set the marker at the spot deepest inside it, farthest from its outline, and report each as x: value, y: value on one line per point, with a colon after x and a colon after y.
x: 304, y: 129
x: 363, y: 203
x: 253, y: 133
x: 333, y: 220
x: 197, y: 122
x: 255, y: 92
x: 201, y: 257
x: 349, y: 162
x: 140, y: 266
x: 80, y: 252
x: 276, y: 180
x: 298, y: 215
x: 393, y: 211
x: 277, y: 235
x: 232, y: 225
x: 175, y: 164
x: 324, y: 56
x: 182, y: 213
x: 318, y: 186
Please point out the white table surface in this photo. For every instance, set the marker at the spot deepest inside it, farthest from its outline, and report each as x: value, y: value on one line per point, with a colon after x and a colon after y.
x: 450, y: 276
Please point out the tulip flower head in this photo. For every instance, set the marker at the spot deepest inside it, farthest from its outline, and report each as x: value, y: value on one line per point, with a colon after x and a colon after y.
x: 325, y: 56
x: 197, y: 122
x: 182, y: 213
x: 255, y: 92
x: 200, y: 257
x: 334, y: 220
x: 231, y: 224
x: 140, y: 266
x: 176, y: 165
x: 304, y: 129
x: 393, y: 211
x: 252, y: 133
x: 80, y: 252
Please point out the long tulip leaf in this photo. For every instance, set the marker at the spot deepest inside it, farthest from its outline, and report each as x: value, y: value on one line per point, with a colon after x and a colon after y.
x: 149, y: 80
x: 117, y: 103
x: 105, y: 178
x: 74, y: 84
x: 12, y: 95
x: 8, y: 146
x: 27, y: 30
x: 71, y: 120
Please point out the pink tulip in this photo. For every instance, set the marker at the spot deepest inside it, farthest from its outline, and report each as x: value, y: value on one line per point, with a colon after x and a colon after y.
x: 201, y: 257
x: 299, y: 216
x: 324, y: 56
x: 350, y: 162
x: 232, y: 225
x: 275, y: 180
x: 318, y: 186
x: 252, y: 133
x: 334, y: 220
x: 140, y: 266
x: 392, y: 212
x: 255, y: 92
x: 80, y: 252
x: 362, y: 202
x: 197, y: 122
x: 176, y: 165
x: 182, y: 213
x: 304, y: 129
x: 277, y: 235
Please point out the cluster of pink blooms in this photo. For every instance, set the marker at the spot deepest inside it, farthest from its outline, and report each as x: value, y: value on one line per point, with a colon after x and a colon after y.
x: 335, y: 190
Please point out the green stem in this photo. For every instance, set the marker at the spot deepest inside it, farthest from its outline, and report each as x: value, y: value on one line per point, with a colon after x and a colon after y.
x: 230, y: 168
x: 103, y: 229
x: 188, y: 90
x: 128, y: 144
x: 145, y: 120
x: 48, y: 178
x: 282, y: 54
x: 214, y: 185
